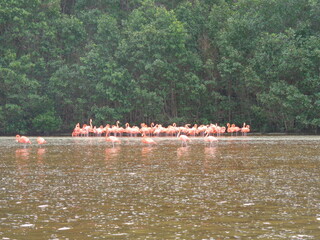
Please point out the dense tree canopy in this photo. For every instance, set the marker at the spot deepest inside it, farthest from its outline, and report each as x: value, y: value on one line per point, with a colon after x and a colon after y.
x: 200, y: 61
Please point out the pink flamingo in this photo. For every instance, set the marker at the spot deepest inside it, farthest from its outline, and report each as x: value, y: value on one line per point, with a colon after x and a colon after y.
x: 193, y: 131
x: 115, y: 129
x: 236, y: 129
x: 184, y: 139
x: 245, y: 129
x: 113, y: 139
x: 220, y: 130
x: 41, y: 140
x: 211, y: 129
x: 202, y: 129
x: 210, y: 139
x: 22, y: 139
x: 145, y: 130
x: 76, y: 130
x: 230, y: 129
x: 147, y: 140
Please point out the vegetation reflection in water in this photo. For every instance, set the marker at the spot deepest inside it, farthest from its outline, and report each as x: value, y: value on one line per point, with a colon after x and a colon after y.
x: 246, y: 188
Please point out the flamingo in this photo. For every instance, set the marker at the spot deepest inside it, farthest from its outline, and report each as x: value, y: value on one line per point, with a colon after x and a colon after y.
x: 115, y: 129
x: 245, y: 129
x: 210, y: 139
x: 202, y: 129
x: 113, y: 139
x: 98, y: 131
x: 145, y: 130
x: 41, y: 140
x: 127, y: 129
x: 230, y: 128
x: 22, y: 139
x: 76, y: 130
x: 159, y: 130
x: 184, y: 139
x: 237, y: 129
x: 147, y: 140
x: 211, y: 129
x: 193, y: 131
x: 84, y: 131
x: 220, y: 130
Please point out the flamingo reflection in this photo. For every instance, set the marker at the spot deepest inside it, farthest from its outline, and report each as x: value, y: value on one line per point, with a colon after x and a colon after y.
x: 146, y: 151
x: 111, y: 152
x: 183, y: 151
x: 210, y: 152
x: 23, y: 153
x: 40, y: 153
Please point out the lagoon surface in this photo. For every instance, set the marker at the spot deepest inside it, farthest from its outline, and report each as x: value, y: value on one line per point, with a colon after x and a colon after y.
x: 251, y: 187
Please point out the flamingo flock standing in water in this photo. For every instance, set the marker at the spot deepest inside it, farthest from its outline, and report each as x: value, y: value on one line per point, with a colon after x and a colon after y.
x: 112, y: 132
x: 157, y: 130
x: 183, y: 133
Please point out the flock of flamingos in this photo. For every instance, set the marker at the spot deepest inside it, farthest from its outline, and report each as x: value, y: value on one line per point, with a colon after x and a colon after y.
x: 112, y: 133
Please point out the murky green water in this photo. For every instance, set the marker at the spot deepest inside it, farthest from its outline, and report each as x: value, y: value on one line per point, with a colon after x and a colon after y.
x: 83, y: 188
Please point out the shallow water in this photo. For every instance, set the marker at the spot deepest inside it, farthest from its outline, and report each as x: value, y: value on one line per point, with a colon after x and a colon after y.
x: 263, y: 187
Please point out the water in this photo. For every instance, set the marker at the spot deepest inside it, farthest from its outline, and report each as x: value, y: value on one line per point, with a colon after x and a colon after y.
x: 263, y: 187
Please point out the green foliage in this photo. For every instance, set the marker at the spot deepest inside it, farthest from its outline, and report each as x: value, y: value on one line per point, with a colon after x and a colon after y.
x: 154, y: 53
x: 181, y: 61
x: 46, y: 123
x: 15, y: 120
x: 71, y: 35
x: 285, y: 105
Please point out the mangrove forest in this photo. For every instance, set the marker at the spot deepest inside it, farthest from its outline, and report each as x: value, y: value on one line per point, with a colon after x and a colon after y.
x: 64, y: 62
